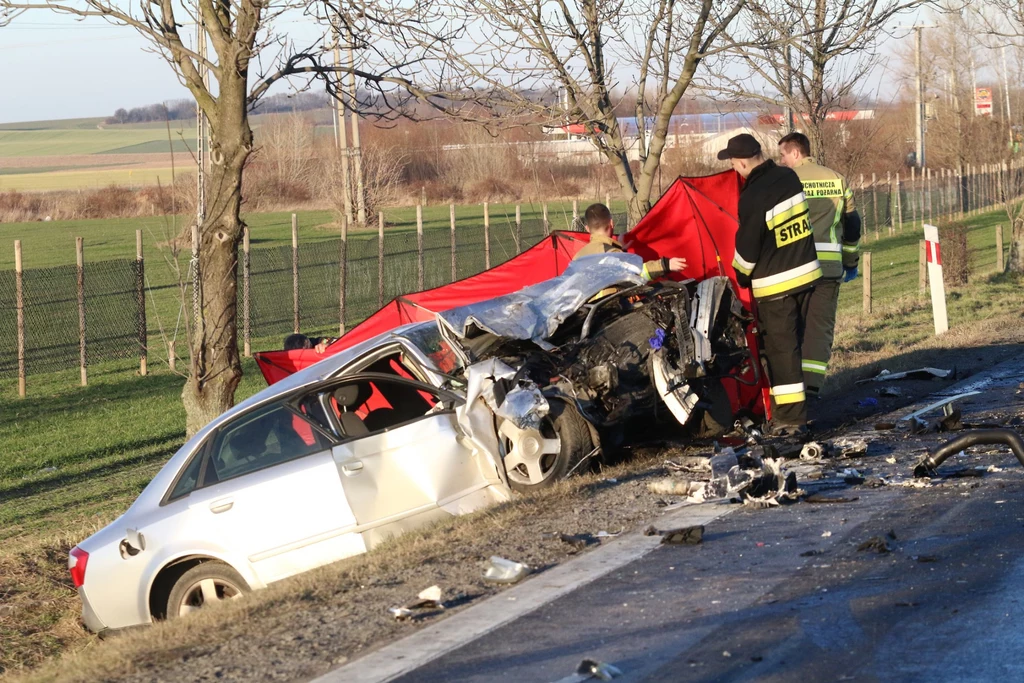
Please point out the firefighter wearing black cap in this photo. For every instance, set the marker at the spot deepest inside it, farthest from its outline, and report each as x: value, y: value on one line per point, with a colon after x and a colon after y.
x: 775, y: 257
x: 836, y: 225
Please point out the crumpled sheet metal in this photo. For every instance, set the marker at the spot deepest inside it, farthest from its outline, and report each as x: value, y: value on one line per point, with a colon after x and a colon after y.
x: 534, y: 313
x: 476, y: 417
x: 524, y: 406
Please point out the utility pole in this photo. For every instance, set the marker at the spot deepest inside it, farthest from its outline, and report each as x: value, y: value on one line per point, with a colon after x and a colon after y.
x: 342, y: 138
x: 919, y: 127
x: 1006, y: 92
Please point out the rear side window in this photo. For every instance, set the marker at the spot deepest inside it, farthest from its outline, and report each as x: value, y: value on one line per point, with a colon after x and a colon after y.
x: 259, y: 440
x: 189, y: 477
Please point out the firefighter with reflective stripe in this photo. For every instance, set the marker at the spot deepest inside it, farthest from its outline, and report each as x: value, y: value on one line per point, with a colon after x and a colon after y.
x: 598, y: 219
x: 836, y: 225
x: 775, y: 257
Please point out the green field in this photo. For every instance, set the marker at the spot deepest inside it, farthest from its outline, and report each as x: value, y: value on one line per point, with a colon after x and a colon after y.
x: 57, y: 142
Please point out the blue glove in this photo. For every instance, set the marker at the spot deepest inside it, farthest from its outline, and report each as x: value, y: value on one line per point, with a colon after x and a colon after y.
x: 849, y: 274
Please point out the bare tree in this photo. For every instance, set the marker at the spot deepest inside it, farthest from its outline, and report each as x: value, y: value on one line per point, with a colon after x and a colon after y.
x: 815, y: 55
x: 503, y: 63
x: 248, y: 56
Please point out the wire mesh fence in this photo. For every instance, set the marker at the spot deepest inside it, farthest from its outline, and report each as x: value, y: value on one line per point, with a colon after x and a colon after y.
x: 115, y: 294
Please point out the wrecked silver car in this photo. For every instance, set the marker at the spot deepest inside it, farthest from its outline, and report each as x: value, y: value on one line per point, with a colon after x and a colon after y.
x: 424, y: 422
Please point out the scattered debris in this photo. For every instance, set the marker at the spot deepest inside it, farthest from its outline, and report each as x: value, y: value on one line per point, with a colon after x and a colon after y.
x: 891, y: 533
x: 852, y: 476
x: 812, y: 553
x: 400, y: 613
x: 428, y: 598
x: 608, y: 534
x: 925, y: 558
x: 848, y: 447
x: 819, y: 498
x: 578, y: 541
x: 689, y: 465
x: 890, y: 391
x: 672, y: 486
x: 598, y: 670
x: 875, y: 544
x: 869, y: 402
x: 938, y: 404
x: 906, y: 603
x: 920, y: 373
x: 927, y: 466
x: 826, y: 534
x: 891, y: 460
x: 690, y: 535
x: 884, y: 426
x: 501, y: 570
x: 813, y: 451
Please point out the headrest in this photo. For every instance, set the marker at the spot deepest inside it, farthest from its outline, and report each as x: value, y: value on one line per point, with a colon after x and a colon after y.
x: 352, y: 395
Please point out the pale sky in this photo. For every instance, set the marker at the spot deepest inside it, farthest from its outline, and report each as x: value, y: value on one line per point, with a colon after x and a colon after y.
x: 56, y: 67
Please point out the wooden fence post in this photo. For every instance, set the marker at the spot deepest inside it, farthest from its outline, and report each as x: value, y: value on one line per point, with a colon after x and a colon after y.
x: 171, y: 359
x: 866, y: 260
x: 19, y: 303
x: 419, y: 247
x: 575, y: 213
x: 922, y: 266
x: 874, y: 201
x: 295, y: 273
x: 999, y: 249
x: 899, y: 204
x: 608, y: 200
x: 547, y: 225
x: 451, y: 213
x: 890, y: 205
x: 140, y: 316
x: 246, y: 320
x: 343, y: 273
x: 80, y: 268
x: 380, y: 260
x: 487, y: 238
x: 519, y: 230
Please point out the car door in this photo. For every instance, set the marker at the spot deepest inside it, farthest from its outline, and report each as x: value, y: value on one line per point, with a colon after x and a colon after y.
x: 271, y: 493
x: 407, y: 463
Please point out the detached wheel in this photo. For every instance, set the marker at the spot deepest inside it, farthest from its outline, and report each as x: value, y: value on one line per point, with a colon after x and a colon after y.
x: 205, y: 584
x: 537, y: 458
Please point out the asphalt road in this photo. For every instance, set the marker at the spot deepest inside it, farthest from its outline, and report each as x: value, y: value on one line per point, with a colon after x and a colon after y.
x: 785, y: 594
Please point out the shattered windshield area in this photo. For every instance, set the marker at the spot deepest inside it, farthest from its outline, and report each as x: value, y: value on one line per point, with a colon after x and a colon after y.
x: 428, y: 339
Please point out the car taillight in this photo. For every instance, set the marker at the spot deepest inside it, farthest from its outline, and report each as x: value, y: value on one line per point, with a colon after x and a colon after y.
x: 77, y: 559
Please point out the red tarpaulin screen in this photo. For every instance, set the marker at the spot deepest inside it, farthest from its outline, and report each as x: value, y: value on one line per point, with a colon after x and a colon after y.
x: 695, y: 219
x: 545, y: 260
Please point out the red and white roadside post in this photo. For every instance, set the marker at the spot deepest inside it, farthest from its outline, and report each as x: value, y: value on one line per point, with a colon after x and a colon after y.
x: 934, y: 258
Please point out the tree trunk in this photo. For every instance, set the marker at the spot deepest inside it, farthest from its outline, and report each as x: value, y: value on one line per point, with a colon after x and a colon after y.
x: 215, y: 368
x: 1016, y: 264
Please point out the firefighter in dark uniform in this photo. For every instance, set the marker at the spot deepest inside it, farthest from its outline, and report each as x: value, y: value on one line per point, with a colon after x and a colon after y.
x: 775, y: 257
x: 598, y: 219
x: 836, y: 225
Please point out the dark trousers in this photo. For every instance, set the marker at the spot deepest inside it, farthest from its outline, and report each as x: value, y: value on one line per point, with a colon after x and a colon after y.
x: 782, y: 323
x: 821, y: 325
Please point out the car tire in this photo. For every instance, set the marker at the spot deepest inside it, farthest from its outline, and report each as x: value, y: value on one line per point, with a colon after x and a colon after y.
x: 206, y: 583
x: 575, y: 444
